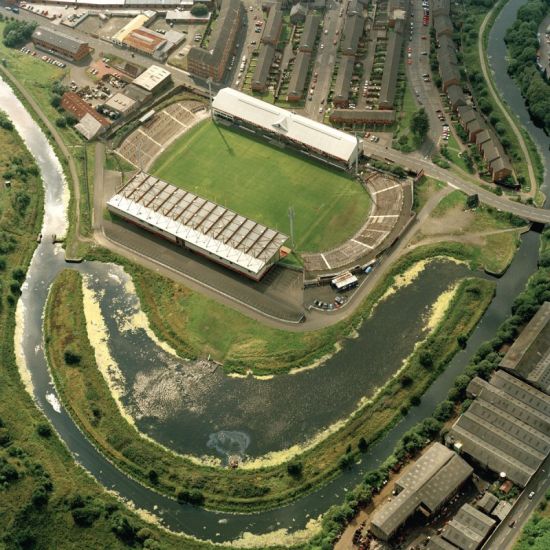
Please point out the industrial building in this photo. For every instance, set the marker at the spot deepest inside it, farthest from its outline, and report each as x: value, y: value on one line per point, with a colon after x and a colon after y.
x: 199, y: 225
x: 75, y: 105
x: 62, y: 44
x: 278, y: 125
x: 529, y: 356
x: 152, y: 43
x: 506, y: 428
x: 466, y: 531
x: 153, y: 79
x: 212, y: 62
x: 434, y: 478
x: 121, y: 104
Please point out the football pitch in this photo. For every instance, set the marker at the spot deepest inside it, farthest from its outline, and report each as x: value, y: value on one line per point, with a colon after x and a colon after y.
x: 261, y: 182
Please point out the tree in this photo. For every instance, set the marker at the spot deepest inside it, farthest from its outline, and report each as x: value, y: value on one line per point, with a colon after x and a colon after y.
x: 425, y: 359
x: 362, y: 445
x: 295, y: 468
x: 472, y: 201
x: 199, y: 10
x: 420, y: 123
x: 71, y: 356
x: 44, y: 429
x: 17, y: 33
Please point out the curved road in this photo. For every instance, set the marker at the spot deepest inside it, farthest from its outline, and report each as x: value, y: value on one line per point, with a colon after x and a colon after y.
x: 500, y: 202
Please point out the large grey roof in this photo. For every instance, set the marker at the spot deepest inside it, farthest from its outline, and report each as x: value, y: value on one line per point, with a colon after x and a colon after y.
x: 468, y: 528
x: 487, y: 502
x: 353, y: 29
x: 263, y: 65
x: 507, y: 427
x: 343, y: 78
x: 59, y: 39
x: 219, y: 39
x: 432, y: 480
x: 391, y: 67
x: 299, y: 73
x: 529, y: 355
x: 437, y: 543
x: 311, y: 26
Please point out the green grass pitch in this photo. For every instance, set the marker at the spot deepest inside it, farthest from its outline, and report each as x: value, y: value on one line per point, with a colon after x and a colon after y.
x: 260, y: 181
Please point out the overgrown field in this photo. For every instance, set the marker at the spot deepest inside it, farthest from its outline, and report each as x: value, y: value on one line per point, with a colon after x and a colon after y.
x: 261, y: 182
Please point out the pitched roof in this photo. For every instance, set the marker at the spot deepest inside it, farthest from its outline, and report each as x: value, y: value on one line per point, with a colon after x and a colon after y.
x: 343, y: 78
x: 391, y: 67
x: 299, y: 73
x: 263, y: 65
x: 273, y: 25
x: 321, y: 137
x: 353, y: 30
x: 59, y: 39
x: 311, y: 26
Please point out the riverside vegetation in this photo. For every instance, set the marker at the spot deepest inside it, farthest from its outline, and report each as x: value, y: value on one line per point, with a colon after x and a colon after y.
x: 87, y: 395
x: 46, y: 500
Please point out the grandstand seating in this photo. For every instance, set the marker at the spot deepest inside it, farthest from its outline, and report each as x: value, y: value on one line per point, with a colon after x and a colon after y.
x: 387, y: 198
x: 145, y: 143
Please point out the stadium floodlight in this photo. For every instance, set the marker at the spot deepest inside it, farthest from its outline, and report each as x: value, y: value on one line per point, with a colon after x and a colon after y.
x: 291, y: 221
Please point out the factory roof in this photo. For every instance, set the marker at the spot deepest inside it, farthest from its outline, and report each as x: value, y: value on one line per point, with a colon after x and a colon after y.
x: 58, y: 39
x: 209, y: 226
x: 507, y: 427
x: 487, y: 502
x: 529, y: 355
x: 468, y: 528
x: 120, y: 103
x: 88, y: 126
x: 321, y: 137
x: 135, y: 23
x: 432, y: 480
x: 152, y: 77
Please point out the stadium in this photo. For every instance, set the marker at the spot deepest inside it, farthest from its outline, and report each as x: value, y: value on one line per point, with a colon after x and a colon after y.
x: 280, y: 177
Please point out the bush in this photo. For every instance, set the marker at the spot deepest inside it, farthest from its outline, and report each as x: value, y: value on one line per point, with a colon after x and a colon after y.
x: 362, y: 445
x: 71, y: 356
x: 86, y: 516
x: 193, y: 496
x: 40, y: 497
x: 44, y: 430
x: 123, y: 528
x: 295, y: 468
x: 153, y: 477
x: 425, y: 359
x: 199, y: 10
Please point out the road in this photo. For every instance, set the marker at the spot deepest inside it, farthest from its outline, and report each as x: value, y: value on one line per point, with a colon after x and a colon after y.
x: 426, y: 93
x: 415, y: 163
x: 504, y: 536
x: 497, y: 100
x: 325, y: 60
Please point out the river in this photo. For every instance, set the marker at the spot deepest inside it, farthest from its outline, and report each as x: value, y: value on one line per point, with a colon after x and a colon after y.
x: 220, y: 527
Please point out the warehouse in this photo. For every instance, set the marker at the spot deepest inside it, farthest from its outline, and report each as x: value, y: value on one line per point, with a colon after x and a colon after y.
x: 468, y: 529
x: 299, y: 75
x: 197, y: 224
x: 153, y: 79
x: 506, y: 428
x: 121, y: 104
x: 434, y: 478
x: 529, y: 355
x: 74, y: 104
x: 212, y: 63
x: 60, y: 43
x: 275, y: 124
